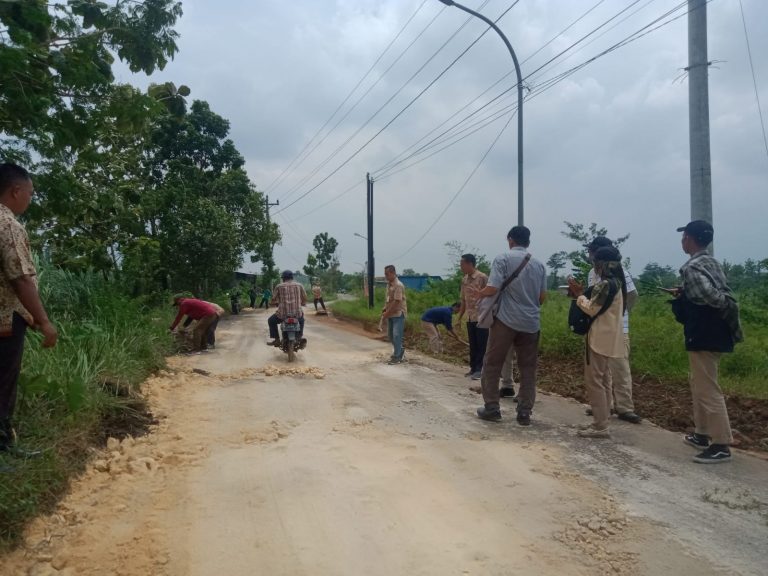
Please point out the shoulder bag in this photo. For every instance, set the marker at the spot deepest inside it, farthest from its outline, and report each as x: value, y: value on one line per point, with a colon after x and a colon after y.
x: 488, y: 307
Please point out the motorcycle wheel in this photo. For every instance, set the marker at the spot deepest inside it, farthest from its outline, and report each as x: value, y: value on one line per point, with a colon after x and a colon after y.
x: 291, y: 352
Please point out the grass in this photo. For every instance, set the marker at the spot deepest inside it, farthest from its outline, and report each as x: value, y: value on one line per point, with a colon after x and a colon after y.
x: 108, y: 344
x: 657, y: 340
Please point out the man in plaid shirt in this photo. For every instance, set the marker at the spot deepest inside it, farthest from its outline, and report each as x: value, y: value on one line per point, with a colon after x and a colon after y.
x: 705, y: 305
x: 290, y: 296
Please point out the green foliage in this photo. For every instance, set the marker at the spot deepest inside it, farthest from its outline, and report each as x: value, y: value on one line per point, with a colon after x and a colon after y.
x: 108, y: 344
x: 655, y: 276
x: 582, y: 234
x: 56, y: 61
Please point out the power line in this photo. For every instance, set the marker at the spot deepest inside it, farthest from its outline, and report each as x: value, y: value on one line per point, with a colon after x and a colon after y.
x: 275, y: 183
x: 339, y: 148
x: 458, y: 192
x: 754, y: 79
x: 400, y: 113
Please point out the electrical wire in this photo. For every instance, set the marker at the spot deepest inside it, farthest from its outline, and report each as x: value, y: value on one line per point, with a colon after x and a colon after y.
x: 754, y: 79
x: 458, y: 192
x: 274, y: 184
x: 400, y: 113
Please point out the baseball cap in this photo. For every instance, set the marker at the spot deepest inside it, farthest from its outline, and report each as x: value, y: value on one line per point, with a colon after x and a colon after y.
x: 598, y: 242
x: 700, y: 230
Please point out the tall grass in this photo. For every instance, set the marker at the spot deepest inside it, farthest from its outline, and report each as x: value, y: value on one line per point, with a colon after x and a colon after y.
x: 108, y: 343
x: 658, y: 349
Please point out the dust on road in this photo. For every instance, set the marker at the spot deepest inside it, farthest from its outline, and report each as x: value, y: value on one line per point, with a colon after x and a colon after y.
x: 340, y: 464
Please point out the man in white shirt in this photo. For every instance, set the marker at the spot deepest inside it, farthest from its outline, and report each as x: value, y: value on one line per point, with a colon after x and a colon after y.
x: 618, y: 378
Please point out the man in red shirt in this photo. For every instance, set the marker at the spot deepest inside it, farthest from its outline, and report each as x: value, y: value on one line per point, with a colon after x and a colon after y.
x: 199, y: 310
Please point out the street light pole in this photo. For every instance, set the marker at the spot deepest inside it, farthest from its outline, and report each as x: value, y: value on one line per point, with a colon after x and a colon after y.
x: 519, y: 103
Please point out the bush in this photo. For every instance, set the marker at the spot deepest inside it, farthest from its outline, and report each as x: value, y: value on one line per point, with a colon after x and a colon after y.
x: 108, y: 344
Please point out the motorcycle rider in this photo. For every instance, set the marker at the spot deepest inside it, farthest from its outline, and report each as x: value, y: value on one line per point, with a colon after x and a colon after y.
x: 289, y: 296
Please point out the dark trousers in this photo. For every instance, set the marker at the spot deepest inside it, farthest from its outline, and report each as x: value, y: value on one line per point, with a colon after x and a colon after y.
x: 264, y: 302
x: 320, y: 300
x: 478, y: 341
x: 253, y: 301
x: 500, y: 339
x: 11, y: 351
x: 274, y: 321
x: 210, y: 335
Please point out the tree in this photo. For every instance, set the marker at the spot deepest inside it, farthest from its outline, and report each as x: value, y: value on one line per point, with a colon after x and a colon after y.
x: 655, y: 275
x: 56, y: 61
x: 457, y: 249
x: 582, y: 234
x: 556, y: 262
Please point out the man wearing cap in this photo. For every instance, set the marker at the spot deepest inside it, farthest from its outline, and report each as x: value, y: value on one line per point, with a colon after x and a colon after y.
x: 199, y: 310
x: 705, y: 305
x: 618, y: 377
x: 290, y: 296
x: 516, y: 325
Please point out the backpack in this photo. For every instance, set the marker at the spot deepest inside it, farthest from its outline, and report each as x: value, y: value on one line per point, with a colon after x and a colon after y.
x: 579, y: 321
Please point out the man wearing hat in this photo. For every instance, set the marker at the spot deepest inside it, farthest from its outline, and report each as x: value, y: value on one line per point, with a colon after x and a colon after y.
x: 618, y: 377
x: 705, y: 305
x: 199, y: 310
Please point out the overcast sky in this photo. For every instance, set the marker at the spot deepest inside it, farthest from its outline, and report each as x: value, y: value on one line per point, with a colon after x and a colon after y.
x: 607, y: 145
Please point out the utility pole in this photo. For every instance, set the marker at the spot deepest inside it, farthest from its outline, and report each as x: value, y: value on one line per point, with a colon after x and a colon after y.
x: 267, y: 206
x: 698, y: 112
x: 371, y: 266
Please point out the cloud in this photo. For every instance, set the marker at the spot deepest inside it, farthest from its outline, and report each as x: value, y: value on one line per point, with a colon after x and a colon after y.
x: 608, y: 145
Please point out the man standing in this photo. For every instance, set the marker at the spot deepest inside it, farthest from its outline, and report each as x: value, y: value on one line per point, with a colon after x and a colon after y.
x: 252, y: 294
x: 517, y: 325
x: 266, y: 296
x: 471, y: 284
x: 290, y: 296
x: 618, y: 377
x: 199, y: 310
x: 432, y: 318
x: 705, y: 305
x: 20, y: 304
x: 317, y: 293
x: 394, y: 312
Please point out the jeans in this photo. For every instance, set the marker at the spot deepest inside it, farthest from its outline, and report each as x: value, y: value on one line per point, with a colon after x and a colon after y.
x: 11, y: 350
x: 395, y: 330
x: 478, y: 341
x: 274, y: 321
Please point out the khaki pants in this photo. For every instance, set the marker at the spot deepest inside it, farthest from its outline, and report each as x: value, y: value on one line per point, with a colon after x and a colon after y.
x: 618, y: 382
x: 200, y: 333
x: 507, y: 371
x: 710, y: 414
x: 598, y: 393
x: 435, y: 342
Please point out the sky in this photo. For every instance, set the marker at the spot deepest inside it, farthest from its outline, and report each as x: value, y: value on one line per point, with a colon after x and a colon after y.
x: 608, y: 144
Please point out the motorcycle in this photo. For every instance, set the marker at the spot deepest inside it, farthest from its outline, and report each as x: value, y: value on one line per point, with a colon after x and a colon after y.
x: 290, y: 343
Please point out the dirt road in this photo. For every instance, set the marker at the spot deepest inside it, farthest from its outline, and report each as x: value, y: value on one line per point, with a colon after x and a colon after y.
x: 354, y: 467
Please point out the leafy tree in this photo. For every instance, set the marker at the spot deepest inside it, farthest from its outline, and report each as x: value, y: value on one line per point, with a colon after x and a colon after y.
x: 556, y: 262
x: 583, y: 234
x: 655, y: 275
x: 455, y: 251
x: 56, y: 61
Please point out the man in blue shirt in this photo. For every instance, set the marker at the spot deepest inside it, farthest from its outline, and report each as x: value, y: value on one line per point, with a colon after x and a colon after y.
x: 432, y: 318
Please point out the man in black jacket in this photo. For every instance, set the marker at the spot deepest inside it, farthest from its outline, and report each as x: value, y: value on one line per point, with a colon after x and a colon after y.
x: 705, y: 305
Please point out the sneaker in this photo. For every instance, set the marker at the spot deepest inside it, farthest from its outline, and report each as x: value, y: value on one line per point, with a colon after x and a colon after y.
x: 506, y: 392
x: 490, y: 414
x: 476, y: 375
x: 468, y: 374
x: 276, y: 343
x: 393, y: 361
x: 524, y: 417
x: 593, y: 432
x: 715, y: 454
x: 697, y: 440
x: 630, y: 417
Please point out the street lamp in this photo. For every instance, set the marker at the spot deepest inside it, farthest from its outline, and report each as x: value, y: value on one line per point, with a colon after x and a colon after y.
x: 360, y: 236
x: 519, y: 103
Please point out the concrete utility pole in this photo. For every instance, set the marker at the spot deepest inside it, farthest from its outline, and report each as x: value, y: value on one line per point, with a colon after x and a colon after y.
x: 371, y: 266
x: 698, y: 112
x: 498, y: 31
